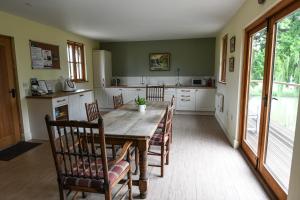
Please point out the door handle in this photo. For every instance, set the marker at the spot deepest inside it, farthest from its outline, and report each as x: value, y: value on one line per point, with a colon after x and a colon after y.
x: 13, y: 92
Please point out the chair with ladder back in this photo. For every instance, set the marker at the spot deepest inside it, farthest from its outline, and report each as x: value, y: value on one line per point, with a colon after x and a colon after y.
x: 80, y: 166
x: 93, y: 113
x: 161, y: 138
x: 118, y: 101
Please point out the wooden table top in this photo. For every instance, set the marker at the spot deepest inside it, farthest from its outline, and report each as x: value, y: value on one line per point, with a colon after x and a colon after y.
x: 127, y: 121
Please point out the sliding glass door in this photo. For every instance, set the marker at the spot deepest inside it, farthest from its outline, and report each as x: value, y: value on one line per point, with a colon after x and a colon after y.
x: 255, y: 79
x: 270, y: 98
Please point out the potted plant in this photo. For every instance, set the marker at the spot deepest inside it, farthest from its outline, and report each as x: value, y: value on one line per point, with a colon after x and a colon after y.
x: 141, y: 102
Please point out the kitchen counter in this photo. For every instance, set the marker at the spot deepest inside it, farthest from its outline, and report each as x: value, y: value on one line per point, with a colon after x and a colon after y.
x: 166, y: 86
x: 58, y: 94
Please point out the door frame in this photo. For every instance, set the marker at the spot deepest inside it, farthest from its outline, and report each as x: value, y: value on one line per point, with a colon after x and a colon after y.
x: 16, y: 82
x: 280, y: 10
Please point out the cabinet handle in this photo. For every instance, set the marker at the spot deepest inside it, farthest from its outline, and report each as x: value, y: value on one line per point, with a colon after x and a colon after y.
x: 185, y: 96
x: 81, y: 95
x: 58, y: 101
x: 185, y: 100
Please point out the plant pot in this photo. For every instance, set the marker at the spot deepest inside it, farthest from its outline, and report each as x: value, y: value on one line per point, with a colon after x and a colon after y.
x: 142, y: 108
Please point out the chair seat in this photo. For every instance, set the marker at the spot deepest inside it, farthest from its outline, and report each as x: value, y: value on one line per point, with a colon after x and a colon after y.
x: 161, y: 125
x: 158, y: 138
x: 98, y: 184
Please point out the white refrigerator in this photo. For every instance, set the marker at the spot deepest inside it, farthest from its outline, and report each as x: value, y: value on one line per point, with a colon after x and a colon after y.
x: 102, y: 66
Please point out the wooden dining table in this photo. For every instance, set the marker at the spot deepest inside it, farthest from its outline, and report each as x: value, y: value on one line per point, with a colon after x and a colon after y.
x: 128, y: 124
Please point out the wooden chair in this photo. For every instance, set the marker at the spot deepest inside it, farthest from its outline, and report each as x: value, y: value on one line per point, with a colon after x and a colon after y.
x: 118, y: 101
x: 161, y: 124
x: 162, y: 138
x: 155, y: 93
x: 93, y: 113
x: 80, y: 166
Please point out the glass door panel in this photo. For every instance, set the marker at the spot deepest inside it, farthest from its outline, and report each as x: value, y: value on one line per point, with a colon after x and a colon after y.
x: 284, y: 98
x: 255, y: 88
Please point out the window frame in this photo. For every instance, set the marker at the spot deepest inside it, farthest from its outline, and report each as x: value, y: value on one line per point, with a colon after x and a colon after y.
x: 75, y: 77
x: 223, y: 66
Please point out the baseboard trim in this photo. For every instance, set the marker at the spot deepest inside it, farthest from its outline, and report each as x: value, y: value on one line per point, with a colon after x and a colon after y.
x: 194, y: 113
x: 234, y: 142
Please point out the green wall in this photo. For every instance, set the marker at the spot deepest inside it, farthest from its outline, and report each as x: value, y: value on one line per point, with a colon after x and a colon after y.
x: 194, y: 57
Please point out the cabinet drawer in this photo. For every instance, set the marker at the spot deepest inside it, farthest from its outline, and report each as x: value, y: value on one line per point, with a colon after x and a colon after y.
x: 185, y: 91
x: 60, y: 101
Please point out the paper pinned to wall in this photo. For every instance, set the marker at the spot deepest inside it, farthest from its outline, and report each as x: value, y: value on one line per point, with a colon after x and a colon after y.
x: 44, y: 56
x: 47, y: 58
x: 37, y: 57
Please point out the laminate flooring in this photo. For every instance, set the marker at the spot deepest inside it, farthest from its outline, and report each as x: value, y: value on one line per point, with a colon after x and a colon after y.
x: 203, y: 166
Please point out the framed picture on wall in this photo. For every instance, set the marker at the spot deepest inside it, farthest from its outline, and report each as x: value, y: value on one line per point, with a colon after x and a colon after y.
x: 232, y: 44
x: 231, y: 64
x: 159, y: 61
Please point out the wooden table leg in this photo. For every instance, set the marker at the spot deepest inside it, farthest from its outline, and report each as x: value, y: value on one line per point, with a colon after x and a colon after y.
x: 143, y: 181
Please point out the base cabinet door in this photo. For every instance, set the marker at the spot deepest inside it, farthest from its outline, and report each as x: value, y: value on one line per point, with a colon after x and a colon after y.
x: 110, y: 92
x: 130, y: 94
x: 86, y: 97
x: 205, y: 99
x: 101, y: 97
x: 77, y: 105
x: 74, y: 112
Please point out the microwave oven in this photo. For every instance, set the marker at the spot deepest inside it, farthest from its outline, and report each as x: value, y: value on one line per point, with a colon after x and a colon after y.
x: 197, y: 82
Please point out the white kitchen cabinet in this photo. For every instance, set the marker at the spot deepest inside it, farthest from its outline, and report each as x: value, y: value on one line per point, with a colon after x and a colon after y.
x: 74, y: 112
x: 130, y: 94
x: 169, y: 93
x: 185, y: 100
x: 205, y: 99
x: 101, y: 97
x: 71, y: 106
x: 110, y: 92
x: 77, y: 105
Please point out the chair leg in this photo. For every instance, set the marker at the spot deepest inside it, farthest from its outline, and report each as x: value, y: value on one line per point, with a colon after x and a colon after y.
x: 108, y: 194
x: 136, y: 161
x: 129, y: 184
x: 113, y: 151
x: 162, y: 160
x: 61, y: 192
x: 83, y: 195
x: 171, y: 133
x: 168, y: 151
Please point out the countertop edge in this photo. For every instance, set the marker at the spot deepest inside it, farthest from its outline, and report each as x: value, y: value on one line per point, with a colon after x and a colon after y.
x: 59, y: 94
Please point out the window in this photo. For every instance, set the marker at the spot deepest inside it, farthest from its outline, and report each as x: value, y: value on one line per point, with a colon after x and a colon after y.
x: 223, y: 60
x: 76, y: 63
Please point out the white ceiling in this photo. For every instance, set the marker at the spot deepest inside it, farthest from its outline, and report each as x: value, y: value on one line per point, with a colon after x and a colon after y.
x: 129, y: 20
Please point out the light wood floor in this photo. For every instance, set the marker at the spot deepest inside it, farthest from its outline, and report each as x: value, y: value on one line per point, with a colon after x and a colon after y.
x: 203, y: 167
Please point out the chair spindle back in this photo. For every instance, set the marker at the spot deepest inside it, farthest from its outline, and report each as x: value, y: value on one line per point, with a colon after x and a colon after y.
x: 118, y: 101
x: 74, y: 150
x: 155, y: 93
x: 92, y: 111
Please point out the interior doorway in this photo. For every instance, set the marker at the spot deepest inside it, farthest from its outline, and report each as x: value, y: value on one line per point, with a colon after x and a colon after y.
x: 10, y: 127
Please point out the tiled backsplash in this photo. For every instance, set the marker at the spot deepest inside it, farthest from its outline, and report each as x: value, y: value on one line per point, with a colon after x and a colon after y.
x: 159, y: 80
